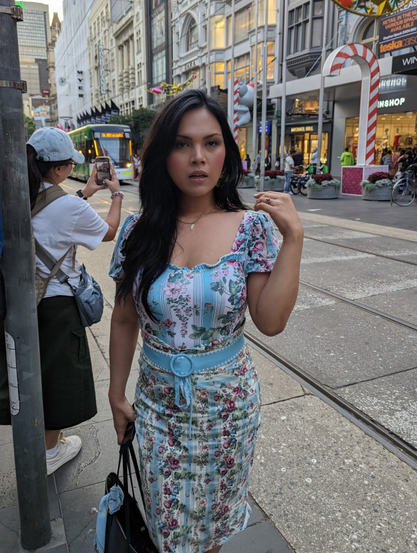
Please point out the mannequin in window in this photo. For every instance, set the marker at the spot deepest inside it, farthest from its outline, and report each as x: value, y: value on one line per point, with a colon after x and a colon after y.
x: 385, y: 138
x: 396, y: 142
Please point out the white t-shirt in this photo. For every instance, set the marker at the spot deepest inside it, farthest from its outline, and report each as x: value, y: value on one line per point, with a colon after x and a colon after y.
x: 66, y: 222
x: 289, y: 162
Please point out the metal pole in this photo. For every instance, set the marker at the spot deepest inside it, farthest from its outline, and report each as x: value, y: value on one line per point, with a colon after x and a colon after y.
x: 264, y: 82
x: 321, y: 96
x: 21, y: 325
x: 284, y: 84
x: 232, y: 67
x: 255, y: 91
x: 208, y: 48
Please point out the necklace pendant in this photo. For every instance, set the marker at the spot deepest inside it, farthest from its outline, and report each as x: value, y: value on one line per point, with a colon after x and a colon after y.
x: 192, y: 226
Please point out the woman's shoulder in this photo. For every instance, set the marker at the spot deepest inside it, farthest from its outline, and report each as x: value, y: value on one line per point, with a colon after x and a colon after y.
x: 129, y: 224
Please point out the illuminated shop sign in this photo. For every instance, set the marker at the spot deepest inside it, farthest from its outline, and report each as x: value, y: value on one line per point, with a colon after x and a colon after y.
x: 303, y: 129
x: 391, y: 102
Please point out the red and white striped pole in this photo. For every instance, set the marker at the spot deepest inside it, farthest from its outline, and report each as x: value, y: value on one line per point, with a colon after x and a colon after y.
x: 369, y: 93
x: 235, y: 103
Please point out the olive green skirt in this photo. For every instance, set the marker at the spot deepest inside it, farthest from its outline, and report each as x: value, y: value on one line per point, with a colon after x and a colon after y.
x: 67, y: 377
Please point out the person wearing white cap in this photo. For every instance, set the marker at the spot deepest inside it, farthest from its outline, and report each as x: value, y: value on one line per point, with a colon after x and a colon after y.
x: 61, y: 226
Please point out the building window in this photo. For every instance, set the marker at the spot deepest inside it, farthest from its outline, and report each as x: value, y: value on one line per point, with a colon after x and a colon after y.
x: 243, y: 24
x: 158, y: 30
x: 192, y: 36
x: 217, y: 28
x: 159, y: 67
x: 368, y: 35
x: 298, y: 24
x: 269, y: 62
x: 217, y: 74
x: 317, y: 24
x: 272, y: 12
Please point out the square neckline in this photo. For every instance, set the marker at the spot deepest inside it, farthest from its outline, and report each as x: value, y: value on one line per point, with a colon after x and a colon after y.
x: 220, y: 260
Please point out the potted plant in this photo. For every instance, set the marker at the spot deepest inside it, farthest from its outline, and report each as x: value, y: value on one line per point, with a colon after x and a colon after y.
x: 274, y: 180
x: 248, y: 179
x: 322, y: 187
x: 377, y: 187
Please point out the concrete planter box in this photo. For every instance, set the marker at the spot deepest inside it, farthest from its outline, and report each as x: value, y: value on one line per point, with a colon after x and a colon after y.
x: 382, y: 194
x: 276, y: 185
x: 248, y: 182
x: 327, y: 193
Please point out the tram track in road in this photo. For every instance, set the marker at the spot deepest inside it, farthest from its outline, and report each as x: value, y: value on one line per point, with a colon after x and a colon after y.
x: 359, y: 250
x: 359, y: 305
x: 371, y: 427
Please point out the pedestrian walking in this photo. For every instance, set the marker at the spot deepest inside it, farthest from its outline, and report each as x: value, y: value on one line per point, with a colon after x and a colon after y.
x: 258, y: 163
x: 314, y: 158
x: 347, y: 159
x: 268, y: 162
x: 62, y: 225
x: 298, y: 161
x: 248, y: 162
x: 289, y: 171
x: 197, y: 406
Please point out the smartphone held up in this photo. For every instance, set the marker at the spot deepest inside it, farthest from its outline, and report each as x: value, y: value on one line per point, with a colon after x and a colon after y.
x: 103, y: 169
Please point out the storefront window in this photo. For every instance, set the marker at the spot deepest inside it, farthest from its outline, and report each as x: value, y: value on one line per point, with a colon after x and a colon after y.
x: 394, y: 131
x: 305, y: 142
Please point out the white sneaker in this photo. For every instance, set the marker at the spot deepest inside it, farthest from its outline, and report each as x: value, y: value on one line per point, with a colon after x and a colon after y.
x: 68, y: 448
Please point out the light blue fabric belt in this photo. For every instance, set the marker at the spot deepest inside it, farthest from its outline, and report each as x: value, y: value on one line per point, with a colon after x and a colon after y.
x: 183, y: 365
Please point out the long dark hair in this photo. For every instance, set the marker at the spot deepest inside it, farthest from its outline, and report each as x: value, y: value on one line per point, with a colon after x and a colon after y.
x: 37, y: 171
x: 151, y: 242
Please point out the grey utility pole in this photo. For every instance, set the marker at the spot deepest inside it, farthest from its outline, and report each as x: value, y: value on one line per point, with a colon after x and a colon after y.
x: 326, y: 8
x: 264, y: 83
x: 255, y: 92
x: 21, y: 325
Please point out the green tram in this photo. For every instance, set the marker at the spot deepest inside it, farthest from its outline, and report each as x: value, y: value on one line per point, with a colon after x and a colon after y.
x: 113, y: 141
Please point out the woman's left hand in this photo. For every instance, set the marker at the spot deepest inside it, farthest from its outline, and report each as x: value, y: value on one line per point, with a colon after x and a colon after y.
x: 92, y: 186
x: 282, y: 211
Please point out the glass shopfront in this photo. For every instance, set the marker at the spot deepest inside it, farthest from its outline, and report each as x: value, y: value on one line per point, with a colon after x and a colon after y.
x: 394, y: 131
x: 305, y: 138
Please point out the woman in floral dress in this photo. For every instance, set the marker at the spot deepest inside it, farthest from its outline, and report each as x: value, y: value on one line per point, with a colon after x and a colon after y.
x: 186, y: 269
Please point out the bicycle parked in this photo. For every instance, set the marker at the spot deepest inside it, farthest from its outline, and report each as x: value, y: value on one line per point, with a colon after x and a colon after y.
x: 404, y: 190
x: 298, y: 183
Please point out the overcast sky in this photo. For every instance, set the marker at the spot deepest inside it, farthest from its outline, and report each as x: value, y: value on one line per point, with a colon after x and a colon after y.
x: 54, y: 6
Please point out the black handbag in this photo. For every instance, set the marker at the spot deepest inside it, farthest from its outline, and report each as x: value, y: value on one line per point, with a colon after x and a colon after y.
x: 126, y: 530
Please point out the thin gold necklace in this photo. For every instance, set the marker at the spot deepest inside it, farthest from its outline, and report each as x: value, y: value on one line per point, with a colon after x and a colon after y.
x: 192, y: 223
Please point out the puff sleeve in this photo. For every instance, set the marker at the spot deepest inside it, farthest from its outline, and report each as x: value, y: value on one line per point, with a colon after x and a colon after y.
x: 262, y: 244
x: 116, y: 264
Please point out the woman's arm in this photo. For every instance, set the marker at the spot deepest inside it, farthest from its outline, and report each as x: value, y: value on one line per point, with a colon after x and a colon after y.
x: 272, y: 296
x: 113, y: 216
x: 123, y: 339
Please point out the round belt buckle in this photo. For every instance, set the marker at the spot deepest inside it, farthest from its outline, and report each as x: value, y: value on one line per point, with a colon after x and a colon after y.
x: 182, y: 365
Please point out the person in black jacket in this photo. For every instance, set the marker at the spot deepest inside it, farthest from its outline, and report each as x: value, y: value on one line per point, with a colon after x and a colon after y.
x: 298, y: 161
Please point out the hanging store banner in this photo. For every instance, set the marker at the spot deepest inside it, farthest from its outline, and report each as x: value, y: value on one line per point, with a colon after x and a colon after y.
x: 398, y: 31
x: 101, y: 69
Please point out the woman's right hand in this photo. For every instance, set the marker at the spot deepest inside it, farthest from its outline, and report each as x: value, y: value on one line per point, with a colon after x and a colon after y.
x: 123, y: 414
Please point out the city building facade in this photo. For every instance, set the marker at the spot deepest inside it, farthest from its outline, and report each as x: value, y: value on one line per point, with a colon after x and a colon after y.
x: 71, y: 60
x: 117, y: 55
x: 33, y: 38
x: 53, y: 96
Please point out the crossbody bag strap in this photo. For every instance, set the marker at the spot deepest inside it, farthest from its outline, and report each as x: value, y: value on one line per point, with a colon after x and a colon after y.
x: 46, y: 197
x: 52, y: 264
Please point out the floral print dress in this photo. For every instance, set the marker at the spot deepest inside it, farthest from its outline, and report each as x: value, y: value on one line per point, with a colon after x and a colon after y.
x: 195, y: 468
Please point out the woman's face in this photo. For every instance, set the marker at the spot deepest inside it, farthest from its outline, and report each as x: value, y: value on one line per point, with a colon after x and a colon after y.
x: 197, y: 159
